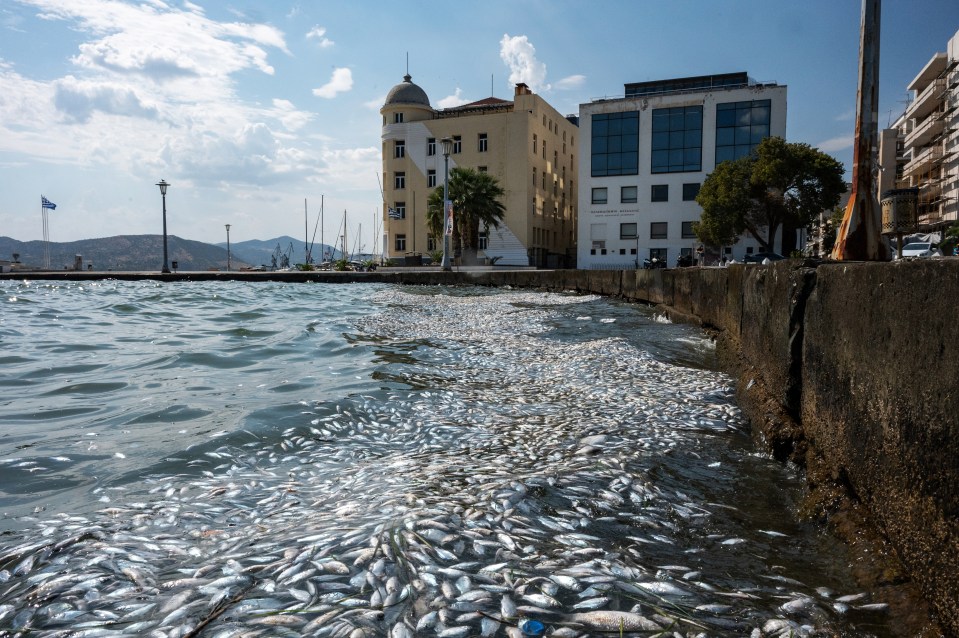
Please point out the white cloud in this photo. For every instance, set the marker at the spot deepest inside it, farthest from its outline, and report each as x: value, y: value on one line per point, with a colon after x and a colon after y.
x: 161, y: 42
x: 319, y: 33
x: 78, y: 100
x: 291, y: 117
x: 376, y: 103
x: 836, y: 144
x: 451, y: 101
x: 340, y: 82
x: 520, y: 56
x: 571, y: 82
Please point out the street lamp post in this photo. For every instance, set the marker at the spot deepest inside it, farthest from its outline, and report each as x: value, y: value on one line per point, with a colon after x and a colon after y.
x: 228, y: 248
x: 163, y: 186
x: 447, y: 221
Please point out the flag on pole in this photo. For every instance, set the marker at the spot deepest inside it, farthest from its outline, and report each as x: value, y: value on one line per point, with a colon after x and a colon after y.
x: 46, y: 203
x: 449, y: 217
x: 394, y: 214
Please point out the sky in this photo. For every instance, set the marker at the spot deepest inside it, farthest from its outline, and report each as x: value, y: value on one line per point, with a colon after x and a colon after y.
x: 251, y: 108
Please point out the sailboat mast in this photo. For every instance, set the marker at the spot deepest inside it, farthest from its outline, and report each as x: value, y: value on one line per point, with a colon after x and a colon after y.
x: 306, y: 235
x: 322, y: 245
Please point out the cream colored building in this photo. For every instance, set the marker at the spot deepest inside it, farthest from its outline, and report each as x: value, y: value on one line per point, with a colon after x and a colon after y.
x: 922, y: 149
x: 526, y: 144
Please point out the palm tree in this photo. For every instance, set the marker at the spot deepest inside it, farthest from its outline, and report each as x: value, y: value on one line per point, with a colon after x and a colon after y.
x: 475, y: 198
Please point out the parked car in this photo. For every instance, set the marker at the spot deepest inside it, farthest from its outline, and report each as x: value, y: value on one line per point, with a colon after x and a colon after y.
x: 758, y: 258
x: 920, y: 249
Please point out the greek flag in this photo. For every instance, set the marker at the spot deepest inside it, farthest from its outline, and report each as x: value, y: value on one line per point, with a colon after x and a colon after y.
x: 46, y: 203
x: 394, y: 214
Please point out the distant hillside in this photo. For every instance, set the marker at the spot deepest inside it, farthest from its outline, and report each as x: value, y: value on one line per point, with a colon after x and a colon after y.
x: 123, y: 252
x: 260, y: 252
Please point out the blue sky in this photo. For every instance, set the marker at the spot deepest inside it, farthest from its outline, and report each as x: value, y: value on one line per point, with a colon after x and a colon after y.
x: 248, y: 108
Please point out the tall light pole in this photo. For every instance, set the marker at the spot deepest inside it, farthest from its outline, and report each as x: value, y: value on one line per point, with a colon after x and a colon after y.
x: 228, y: 248
x: 447, y: 212
x: 163, y: 186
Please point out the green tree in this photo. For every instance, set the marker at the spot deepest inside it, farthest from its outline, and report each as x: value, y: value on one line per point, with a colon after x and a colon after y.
x: 476, y: 201
x: 780, y: 183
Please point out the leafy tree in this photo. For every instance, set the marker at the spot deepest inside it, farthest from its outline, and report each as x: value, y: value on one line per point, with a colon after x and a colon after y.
x: 780, y: 183
x: 475, y: 198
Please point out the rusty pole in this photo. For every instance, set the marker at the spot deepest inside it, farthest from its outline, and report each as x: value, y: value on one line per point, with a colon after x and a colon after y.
x: 860, y: 236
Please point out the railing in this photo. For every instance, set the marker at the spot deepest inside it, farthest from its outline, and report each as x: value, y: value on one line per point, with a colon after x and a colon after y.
x: 925, y: 98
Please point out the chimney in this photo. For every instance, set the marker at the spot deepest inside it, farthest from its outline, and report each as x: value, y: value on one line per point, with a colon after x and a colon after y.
x: 522, y: 89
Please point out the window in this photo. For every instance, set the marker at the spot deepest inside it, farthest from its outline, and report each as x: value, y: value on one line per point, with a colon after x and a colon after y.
x: 597, y: 235
x: 659, y: 193
x: 627, y: 195
x: 399, y: 242
x: 677, y: 143
x: 483, y: 242
x: 397, y: 118
x: 599, y: 196
x: 457, y: 144
x: 400, y: 208
x: 627, y: 231
x: 430, y: 243
x: 431, y: 146
x: 482, y: 143
x: 555, y: 158
x: 688, y: 230
x: 534, y: 177
x: 657, y: 230
x: 399, y: 180
x: 740, y: 126
x: 431, y: 179
x: 690, y: 191
x: 399, y: 149
x: 534, y: 142
x: 622, y: 251
x: 544, y: 149
x: 658, y: 254
x: 555, y: 186
x: 615, y: 144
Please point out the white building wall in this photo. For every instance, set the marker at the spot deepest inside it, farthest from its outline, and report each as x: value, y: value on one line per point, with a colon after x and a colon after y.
x: 607, y: 219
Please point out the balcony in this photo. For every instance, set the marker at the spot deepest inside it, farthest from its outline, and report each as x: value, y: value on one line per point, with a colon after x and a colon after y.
x: 927, y: 100
x: 924, y: 160
x: 925, y: 131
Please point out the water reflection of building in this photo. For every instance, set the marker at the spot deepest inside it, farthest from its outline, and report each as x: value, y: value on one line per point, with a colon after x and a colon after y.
x: 646, y: 154
x: 921, y: 150
x: 525, y: 143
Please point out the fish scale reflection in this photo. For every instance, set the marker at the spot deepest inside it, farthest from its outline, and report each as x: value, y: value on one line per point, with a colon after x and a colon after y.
x: 575, y: 483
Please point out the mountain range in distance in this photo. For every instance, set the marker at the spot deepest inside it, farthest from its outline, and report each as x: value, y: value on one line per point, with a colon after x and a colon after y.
x: 145, y: 252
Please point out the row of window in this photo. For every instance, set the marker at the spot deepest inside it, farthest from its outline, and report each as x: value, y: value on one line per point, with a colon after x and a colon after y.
x: 658, y: 193
x: 677, y: 137
x: 399, y: 242
x: 482, y: 145
x: 399, y: 178
x: 630, y: 230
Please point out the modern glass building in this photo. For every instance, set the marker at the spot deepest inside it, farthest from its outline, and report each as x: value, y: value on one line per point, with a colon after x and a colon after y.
x: 646, y: 154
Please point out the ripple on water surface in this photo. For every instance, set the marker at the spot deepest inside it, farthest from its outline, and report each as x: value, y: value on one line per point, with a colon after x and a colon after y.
x: 440, y: 462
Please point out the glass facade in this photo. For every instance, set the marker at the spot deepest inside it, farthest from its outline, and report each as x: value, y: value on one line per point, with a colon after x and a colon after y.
x: 615, y: 144
x: 740, y: 126
x: 677, y: 139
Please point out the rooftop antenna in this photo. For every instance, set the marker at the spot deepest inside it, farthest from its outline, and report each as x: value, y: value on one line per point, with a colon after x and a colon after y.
x: 407, y: 63
x: 492, y: 91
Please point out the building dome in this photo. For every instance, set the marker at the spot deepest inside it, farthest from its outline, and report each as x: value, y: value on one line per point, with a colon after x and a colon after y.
x: 407, y: 93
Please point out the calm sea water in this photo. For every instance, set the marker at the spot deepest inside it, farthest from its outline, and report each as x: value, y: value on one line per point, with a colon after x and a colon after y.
x: 479, y: 456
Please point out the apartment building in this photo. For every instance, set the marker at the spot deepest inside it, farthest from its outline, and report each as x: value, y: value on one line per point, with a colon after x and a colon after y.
x: 645, y: 156
x: 525, y: 143
x: 921, y: 150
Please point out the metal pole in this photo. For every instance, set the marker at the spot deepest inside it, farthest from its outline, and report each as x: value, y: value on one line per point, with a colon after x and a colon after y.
x: 166, y: 263
x: 228, y: 264
x: 446, y: 264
